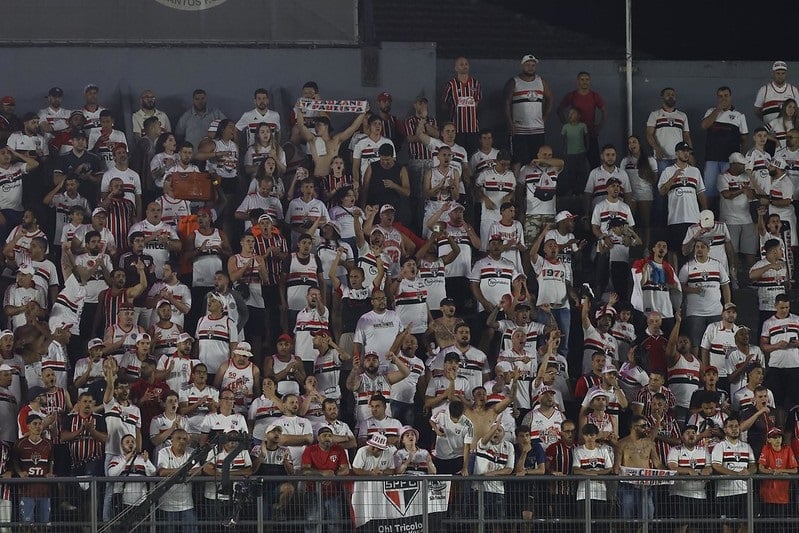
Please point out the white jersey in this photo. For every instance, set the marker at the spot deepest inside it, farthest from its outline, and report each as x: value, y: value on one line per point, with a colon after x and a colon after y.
x: 19, y: 297
x: 179, y: 496
x: 161, y: 423
x: 553, y: 278
x: 295, y: 425
x: 172, y: 209
x: 241, y: 381
x: 106, y: 237
x: 697, y: 458
x: 599, y: 458
x: 507, y: 327
x: 480, y: 161
x: 769, y: 99
x: 269, y: 204
x: 159, y: 252
x: 709, y: 277
x: 736, y: 359
x: 511, y: 234
x: 433, y: 275
x: 205, y: 265
x: 405, y: 389
x: 179, y: 292
x: 308, y: 322
x: 262, y: 413
x: 641, y: 189
x: 683, y: 196
x: 22, y: 142
x: 180, y: 375
x: 604, y: 212
x: 769, y: 285
x: 736, y: 457
x: 120, y: 420
x: 527, y: 106
x: 299, y: 212
x: 301, y: 276
x: 253, y: 118
x: 62, y: 203
x: 719, y: 342
x: 491, y: 457
x: 105, y: 149
x: 459, y: 156
x: 683, y: 379
x: 327, y: 370
x: 496, y: 187
x: 214, y: 337
x: 68, y: 305
x: 226, y: 166
x: 597, y: 184
x: 368, y: 387
x: 782, y: 189
x: 545, y: 429
x: 377, y: 331
x: 462, y: 264
x: 527, y: 373
x: 140, y: 116
x: 495, y: 278
x: 191, y: 394
x: 57, y: 118
x: 410, y: 302
x: 456, y: 435
x: 540, y: 185
x: 96, y: 282
x: 366, y: 461
x: 669, y: 126
x: 718, y: 235
x: 782, y: 329
x: 11, y: 186
x: 366, y: 151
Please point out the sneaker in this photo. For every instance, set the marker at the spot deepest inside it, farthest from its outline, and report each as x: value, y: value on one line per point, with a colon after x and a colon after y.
x: 66, y: 506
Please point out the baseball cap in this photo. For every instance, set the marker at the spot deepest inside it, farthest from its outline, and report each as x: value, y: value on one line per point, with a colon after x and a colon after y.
x: 707, y: 219
x: 371, y: 354
x: 385, y: 95
x: 406, y: 429
x: 245, y: 353
x: 779, y: 163
x: 386, y: 207
x: 613, y: 180
x: 495, y: 237
x: 504, y: 366
x: 564, y: 215
x: 125, y: 305
x: 55, y: 91
x: 35, y: 392
x: 605, y: 310
x: 730, y: 305
x: 335, y: 225
x: 711, y: 368
x: 78, y: 133
x: 99, y: 211
x: 775, y: 432
x: 29, y: 116
x: 95, y: 342
x: 6, y: 368
x: 285, y: 337
x: 76, y: 112
x: 609, y: 367
x: 447, y: 301
x: 6, y: 332
x: 546, y: 390
x: 183, y: 337
x: 91, y: 86
x: 265, y: 216
x: 141, y: 337
x: 320, y: 332
x: 779, y: 65
x: 323, y: 429
x: 737, y: 157
x: 529, y: 57
x: 162, y: 302
x: 272, y: 427
x: 596, y: 393
x: 26, y: 269
x: 454, y: 206
x: 682, y: 146
x: 379, y: 441
x: 8, y: 100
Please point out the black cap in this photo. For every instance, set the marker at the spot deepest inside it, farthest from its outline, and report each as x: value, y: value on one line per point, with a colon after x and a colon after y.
x: 613, y: 180
x: 682, y: 146
x: 452, y: 356
x: 56, y: 91
x: 29, y: 116
x: 385, y: 149
x: 447, y: 301
x: 78, y: 133
x: 35, y: 392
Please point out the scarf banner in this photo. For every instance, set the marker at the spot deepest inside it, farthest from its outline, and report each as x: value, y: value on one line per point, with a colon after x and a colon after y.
x: 333, y: 106
x: 642, y: 473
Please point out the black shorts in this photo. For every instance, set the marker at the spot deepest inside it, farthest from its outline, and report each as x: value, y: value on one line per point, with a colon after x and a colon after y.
x: 691, y: 508
x: 732, y: 506
x: 675, y: 236
x: 448, y: 466
x: 494, y: 505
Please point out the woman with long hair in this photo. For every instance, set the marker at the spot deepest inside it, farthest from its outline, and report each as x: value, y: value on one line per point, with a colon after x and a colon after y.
x: 785, y: 121
x: 343, y: 211
x: 641, y: 167
x: 268, y: 167
x: 265, y: 145
x: 165, y: 157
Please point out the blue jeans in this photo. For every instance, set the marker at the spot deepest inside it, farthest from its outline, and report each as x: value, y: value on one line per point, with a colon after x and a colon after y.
x: 330, y: 513
x: 711, y: 174
x: 563, y: 318
x: 634, y: 500
x: 34, y: 510
x: 183, y: 521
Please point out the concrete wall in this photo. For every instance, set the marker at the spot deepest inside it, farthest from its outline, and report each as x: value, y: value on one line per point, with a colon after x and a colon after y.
x: 228, y: 75
x: 695, y: 82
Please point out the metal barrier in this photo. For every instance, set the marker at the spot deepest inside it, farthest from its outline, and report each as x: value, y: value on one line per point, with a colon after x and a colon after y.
x: 398, y: 504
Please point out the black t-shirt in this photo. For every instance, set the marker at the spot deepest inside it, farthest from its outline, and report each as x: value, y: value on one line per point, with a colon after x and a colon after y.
x: 73, y: 166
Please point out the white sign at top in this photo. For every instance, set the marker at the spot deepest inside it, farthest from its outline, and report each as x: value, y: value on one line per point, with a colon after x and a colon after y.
x: 191, y: 5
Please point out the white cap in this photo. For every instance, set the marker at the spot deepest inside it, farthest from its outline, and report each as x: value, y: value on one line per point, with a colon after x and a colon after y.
x: 596, y: 393
x: 99, y: 211
x: 386, y: 207
x: 609, y: 367
x: 26, y: 269
x: 5, y: 368
x: 564, y: 215
x: 737, y: 157
x: 529, y: 57
x: 707, y: 219
x: 779, y: 65
x: 379, y: 441
x: 779, y: 163
x: 95, y: 342
x: 183, y: 337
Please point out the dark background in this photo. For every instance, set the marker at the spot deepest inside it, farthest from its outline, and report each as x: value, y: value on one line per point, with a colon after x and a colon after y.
x: 680, y: 29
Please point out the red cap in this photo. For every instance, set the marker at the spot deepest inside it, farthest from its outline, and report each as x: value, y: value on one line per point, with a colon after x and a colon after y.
x: 8, y: 100
x: 285, y: 337
x: 385, y: 95
x: 711, y: 368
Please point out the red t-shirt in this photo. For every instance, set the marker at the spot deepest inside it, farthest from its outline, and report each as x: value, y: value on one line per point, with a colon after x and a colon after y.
x: 319, y: 459
x: 36, y: 459
x: 776, y: 491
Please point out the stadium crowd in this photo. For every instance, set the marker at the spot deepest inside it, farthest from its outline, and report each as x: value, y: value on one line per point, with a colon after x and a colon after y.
x: 396, y: 296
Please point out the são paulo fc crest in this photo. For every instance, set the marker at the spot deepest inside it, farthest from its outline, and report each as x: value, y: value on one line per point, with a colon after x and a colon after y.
x: 190, y: 5
x: 401, y: 494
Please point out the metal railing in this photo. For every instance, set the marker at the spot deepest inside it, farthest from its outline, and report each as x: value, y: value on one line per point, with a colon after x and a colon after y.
x: 408, y: 503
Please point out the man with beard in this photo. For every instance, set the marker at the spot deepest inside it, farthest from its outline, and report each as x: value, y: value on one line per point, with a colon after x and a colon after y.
x: 12, y: 174
x: 683, y: 369
x: 105, y: 139
x: 177, y: 505
x: 376, y: 330
x: 732, y: 457
x: 193, y: 124
x: 197, y: 400
x: 148, y: 110
x: 164, y: 331
x: 17, y: 248
x: 131, y: 182
x: 492, y: 278
x: 636, y: 451
x: 98, y: 266
x: 176, y: 367
x: 217, y: 335
x: 653, y: 281
x: 690, y: 459
x: 779, y: 342
x: 324, y: 459
x: 297, y: 431
x: 367, y: 379
x: 718, y: 343
x: 160, y: 239
x: 599, y: 338
x: 250, y: 120
x: 528, y: 102
x: 177, y: 294
x: 121, y: 418
x: 315, y: 316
